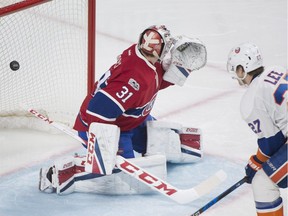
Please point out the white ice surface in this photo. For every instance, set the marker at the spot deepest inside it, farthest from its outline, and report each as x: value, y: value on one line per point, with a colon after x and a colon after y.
x: 209, y: 100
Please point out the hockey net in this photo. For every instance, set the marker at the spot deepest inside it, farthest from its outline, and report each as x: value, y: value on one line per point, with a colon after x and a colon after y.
x: 51, y: 46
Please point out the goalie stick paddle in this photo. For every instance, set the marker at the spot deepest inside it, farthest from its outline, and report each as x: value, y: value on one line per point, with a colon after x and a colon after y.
x: 219, y: 197
x: 180, y: 196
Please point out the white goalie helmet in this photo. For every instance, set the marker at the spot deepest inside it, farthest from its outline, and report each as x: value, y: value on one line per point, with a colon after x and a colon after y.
x: 156, y: 41
x: 247, y: 55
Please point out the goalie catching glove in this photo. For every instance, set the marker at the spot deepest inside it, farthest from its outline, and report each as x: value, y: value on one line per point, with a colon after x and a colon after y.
x: 187, y: 55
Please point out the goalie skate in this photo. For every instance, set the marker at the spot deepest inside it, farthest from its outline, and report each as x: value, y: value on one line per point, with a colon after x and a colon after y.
x: 45, y: 180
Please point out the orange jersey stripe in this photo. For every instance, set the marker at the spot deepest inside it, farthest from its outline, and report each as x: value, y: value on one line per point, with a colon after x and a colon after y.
x: 261, y: 156
x: 280, y: 173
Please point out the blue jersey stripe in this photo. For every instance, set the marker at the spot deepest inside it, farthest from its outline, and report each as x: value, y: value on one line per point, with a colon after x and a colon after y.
x: 269, y: 205
x: 102, y: 105
x: 271, y: 144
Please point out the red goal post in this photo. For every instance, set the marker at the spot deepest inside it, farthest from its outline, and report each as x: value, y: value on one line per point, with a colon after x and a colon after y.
x: 47, y: 58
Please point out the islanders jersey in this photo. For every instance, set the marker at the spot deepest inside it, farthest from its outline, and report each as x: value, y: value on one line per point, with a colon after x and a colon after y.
x: 264, y: 108
x: 125, y: 94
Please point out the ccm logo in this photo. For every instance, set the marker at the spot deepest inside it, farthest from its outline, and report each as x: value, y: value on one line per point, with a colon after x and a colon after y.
x: 90, y: 148
x: 39, y: 115
x: 147, y: 178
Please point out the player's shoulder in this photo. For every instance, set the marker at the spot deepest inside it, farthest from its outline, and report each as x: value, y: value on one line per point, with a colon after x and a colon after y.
x: 273, y: 74
x: 260, y: 92
x: 270, y: 79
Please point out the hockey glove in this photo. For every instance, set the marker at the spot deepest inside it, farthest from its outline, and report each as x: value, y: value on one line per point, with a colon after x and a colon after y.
x: 254, y: 164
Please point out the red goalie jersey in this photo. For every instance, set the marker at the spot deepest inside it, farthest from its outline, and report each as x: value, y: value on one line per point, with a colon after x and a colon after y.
x: 125, y: 94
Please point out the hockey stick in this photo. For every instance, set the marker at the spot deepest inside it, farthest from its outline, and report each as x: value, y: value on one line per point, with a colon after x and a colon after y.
x: 155, y: 183
x: 219, y: 197
x: 180, y: 196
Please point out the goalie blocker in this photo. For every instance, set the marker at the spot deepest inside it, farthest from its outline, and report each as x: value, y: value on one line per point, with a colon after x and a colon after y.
x: 179, y: 144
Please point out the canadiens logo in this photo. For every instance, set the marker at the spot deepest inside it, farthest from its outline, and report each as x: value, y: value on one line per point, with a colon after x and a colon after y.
x: 134, y: 84
x: 149, y: 106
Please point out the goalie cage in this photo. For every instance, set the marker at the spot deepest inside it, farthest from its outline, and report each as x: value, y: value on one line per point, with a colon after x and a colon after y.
x: 53, y: 44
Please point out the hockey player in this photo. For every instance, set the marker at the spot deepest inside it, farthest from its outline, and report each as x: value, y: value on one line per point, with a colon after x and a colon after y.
x: 121, y: 102
x: 125, y: 94
x: 264, y: 108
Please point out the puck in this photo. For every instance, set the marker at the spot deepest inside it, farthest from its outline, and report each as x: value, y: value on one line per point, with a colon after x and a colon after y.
x: 14, y: 65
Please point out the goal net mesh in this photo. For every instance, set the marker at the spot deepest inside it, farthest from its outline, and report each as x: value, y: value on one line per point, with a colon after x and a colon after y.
x: 49, y: 44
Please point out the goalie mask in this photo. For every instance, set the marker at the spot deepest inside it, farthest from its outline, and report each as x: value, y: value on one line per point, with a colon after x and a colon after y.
x: 155, y: 41
x: 246, y: 55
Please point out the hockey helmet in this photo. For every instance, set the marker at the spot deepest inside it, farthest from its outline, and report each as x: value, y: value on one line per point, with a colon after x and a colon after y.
x: 246, y: 55
x: 156, y: 41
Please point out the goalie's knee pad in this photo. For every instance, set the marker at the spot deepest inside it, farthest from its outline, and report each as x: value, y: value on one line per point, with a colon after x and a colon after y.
x: 179, y: 144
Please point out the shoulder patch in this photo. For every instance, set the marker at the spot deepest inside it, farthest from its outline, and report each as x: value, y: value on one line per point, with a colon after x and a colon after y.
x: 134, y: 84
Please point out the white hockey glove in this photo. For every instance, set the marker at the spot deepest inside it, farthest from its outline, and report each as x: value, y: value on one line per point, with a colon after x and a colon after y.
x: 187, y: 55
x: 179, y: 144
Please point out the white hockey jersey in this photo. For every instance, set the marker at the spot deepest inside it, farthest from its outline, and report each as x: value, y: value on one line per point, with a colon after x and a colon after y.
x: 264, y: 108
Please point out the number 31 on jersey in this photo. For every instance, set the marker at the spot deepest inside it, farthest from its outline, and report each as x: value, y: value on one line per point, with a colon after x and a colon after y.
x: 124, y: 94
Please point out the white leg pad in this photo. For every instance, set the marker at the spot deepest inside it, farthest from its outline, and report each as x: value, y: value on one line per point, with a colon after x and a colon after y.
x: 59, y: 178
x: 66, y: 170
x: 179, y: 144
x: 102, y: 148
x: 123, y: 184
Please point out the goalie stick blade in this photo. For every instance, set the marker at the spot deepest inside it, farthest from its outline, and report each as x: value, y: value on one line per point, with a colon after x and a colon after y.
x: 205, y: 187
x: 159, y: 185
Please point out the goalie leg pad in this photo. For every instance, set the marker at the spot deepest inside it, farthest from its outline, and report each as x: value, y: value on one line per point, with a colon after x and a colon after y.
x: 102, y: 148
x: 45, y: 180
x: 122, y: 184
x: 60, y: 177
x: 191, y: 144
x: 68, y: 175
x: 179, y: 144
